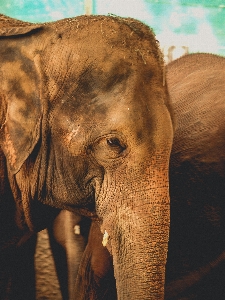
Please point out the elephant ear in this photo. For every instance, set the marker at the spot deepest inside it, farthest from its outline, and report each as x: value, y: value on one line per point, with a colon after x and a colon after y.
x: 20, y: 101
x: 11, y: 27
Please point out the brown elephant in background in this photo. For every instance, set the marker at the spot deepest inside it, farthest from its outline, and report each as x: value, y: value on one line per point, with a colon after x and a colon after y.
x: 196, y: 258
x: 85, y: 126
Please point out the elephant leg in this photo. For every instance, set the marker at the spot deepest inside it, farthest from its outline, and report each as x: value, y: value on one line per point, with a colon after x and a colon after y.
x: 95, y: 278
x: 25, y: 270
x: 17, y: 272
x: 68, y: 238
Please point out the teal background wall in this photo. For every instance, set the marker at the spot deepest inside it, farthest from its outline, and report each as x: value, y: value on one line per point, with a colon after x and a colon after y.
x: 41, y: 10
x: 180, y: 25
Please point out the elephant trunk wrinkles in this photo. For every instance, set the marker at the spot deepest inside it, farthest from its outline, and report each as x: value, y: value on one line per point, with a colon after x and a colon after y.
x: 138, y: 236
x: 139, y: 259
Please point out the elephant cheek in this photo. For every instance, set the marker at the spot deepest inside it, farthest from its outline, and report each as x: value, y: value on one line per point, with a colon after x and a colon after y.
x: 137, y: 221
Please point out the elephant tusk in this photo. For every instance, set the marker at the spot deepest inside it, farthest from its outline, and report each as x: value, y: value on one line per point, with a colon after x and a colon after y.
x: 105, y: 238
x: 76, y: 229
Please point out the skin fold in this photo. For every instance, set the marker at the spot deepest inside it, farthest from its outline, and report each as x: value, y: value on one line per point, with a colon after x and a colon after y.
x: 86, y: 126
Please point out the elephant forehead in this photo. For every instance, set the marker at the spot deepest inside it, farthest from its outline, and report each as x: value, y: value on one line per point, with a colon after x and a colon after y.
x: 103, y: 76
x: 112, y: 31
x: 115, y: 95
x: 94, y: 51
x: 107, y: 62
x: 85, y: 83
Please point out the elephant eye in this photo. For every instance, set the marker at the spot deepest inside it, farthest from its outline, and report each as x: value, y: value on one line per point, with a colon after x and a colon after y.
x: 115, y: 143
x: 107, y: 148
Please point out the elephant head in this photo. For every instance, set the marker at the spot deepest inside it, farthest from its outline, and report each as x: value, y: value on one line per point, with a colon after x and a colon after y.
x: 86, y: 126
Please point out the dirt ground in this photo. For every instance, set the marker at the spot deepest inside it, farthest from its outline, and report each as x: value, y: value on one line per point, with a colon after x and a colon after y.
x: 47, y: 286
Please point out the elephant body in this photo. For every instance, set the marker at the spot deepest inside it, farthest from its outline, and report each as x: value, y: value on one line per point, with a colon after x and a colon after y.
x: 76, y: 98
x: 196, y: 265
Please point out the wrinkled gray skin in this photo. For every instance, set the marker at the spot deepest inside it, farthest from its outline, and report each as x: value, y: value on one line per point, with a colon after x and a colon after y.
x: 86, y: 126
x: 196, y: 258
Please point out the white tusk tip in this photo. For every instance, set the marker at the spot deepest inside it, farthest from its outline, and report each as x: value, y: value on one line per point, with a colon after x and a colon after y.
x: 76, y: 229
x: 105, y: 238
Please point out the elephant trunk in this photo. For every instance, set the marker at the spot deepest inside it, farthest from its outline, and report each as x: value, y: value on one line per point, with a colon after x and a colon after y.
x: 139, y: 256
x: 138, y: 234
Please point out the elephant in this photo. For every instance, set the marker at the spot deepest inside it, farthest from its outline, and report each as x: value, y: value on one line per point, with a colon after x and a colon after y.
x: 195, y: 266
x: 68, y: 236
x: 196, y: 256
x: 86, y: 126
